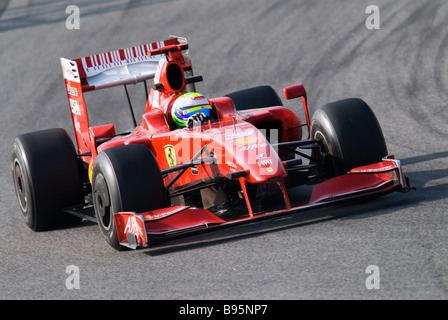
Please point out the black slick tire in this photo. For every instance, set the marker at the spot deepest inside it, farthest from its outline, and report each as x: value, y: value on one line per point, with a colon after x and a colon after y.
x: 125, y: 178
x: 350, y: 133
x: 47, y: 179
x: 256, y: 97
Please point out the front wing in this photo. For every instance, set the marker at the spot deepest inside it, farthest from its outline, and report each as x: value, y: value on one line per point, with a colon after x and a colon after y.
x: 136, y: 230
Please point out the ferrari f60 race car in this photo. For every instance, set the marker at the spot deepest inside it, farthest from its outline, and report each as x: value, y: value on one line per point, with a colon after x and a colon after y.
x: 157, y: 181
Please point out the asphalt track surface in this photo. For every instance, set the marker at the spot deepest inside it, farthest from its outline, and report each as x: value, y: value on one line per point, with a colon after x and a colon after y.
x: 401, y: 70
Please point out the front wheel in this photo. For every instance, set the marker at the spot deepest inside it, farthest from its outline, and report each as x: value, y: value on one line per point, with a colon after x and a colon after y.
x: 125, y: 178
x: 350, y: 133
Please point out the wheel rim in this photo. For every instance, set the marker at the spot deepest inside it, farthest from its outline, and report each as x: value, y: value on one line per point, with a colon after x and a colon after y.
x: 325, y: 153
x: 102, y: 202
x: 19, y: 184
x: 318, y: 135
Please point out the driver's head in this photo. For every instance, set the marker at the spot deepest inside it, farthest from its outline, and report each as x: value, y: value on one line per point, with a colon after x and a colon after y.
x: 188, y: 105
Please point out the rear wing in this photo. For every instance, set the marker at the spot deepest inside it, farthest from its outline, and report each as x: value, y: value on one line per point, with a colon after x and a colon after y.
x: 105, y: 70
x: 119, y: 67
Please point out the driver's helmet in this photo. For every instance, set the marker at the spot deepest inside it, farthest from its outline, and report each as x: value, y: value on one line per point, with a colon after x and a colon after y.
x: 187, y: 105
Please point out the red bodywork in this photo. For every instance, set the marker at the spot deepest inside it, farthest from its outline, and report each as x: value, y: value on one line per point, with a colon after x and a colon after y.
x: 231, y: 147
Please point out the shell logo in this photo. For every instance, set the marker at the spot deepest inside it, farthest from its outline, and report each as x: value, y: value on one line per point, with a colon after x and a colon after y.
x: 246, y: 140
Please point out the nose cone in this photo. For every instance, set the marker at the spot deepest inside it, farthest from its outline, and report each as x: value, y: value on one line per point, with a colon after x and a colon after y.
x: 247, y: 149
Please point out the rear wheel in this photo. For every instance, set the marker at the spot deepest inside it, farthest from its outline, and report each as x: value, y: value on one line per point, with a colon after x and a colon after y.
x: 261, y: 97
x: 125, y: 178
x: 257, y: 97
x: 46, y: 175
x: 350, y: 133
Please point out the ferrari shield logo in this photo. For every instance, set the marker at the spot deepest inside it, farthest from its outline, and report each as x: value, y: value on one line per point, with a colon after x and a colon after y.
x: 170, y: 154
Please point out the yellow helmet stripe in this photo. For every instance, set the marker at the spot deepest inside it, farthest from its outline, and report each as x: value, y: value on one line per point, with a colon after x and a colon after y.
x: 193, y: 109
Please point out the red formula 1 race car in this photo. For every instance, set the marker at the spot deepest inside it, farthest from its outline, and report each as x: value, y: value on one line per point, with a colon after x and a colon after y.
x: 193, y: 164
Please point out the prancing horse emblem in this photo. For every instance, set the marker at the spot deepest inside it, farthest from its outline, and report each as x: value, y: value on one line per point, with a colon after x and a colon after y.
x: 170, y: 154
